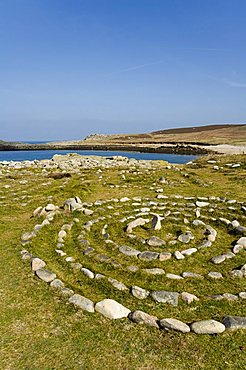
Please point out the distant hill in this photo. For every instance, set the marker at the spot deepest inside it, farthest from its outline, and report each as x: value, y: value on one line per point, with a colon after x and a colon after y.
x: 210, y: 134
x: 178, y: 140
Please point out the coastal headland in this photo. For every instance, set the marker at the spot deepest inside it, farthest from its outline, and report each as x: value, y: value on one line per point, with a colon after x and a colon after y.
x: 225, y: 139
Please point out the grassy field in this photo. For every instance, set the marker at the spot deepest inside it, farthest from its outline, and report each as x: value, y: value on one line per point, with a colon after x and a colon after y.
x: 40, y: 330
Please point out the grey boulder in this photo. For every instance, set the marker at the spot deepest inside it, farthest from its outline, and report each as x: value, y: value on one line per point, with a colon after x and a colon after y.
x: 81, y: 302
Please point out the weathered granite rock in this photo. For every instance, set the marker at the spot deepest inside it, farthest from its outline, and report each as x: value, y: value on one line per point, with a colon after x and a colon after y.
x: 240, y: 230
x: 173, y: 324
x: 138, y: 222
x: 76, y: 266
x: 124, y: 199
x: 147, y: 256
x: 188, y: 297
x: 154, y: 241
x: 216, y: 297
x: 189, y: 252
x: 165, y: 297
x: 237, y: 248
x: 57, y: 284
x: 69, y: 259
x: 212, y: 233
x: 132, y: 268
x: 72, y: 204
x: 88, y: 250
x: 37, y: 211
x: 174, y: 277
x: 138, y: 292
x: 82, y: 302
x: 215, y: 275
x: 27, y: 236
x: 62, y: 234
x: 88, y: 273
x: 235, y: 322
x: 178, y: 255
x: 88, y: 212
x: 117, y: 284
x: 198, y: 223
x: 128, y: 251
x: 202, y: 204
x: 242, y: 241
x: 236, y: 273
x: 50, y: 207
x: 45, y: 275
x: 154, y: 271
x: 218, y: 259
x: 205, y: 244
x: 140, y: 317
x: 186, y: 237
x: 37, y: 264
x: 207, y: 327
x: 235, y: 223
x: 156, y: 222
x: 188, y: 274
x: 164, y: 256
x: 112, y: 309
x: 66, y: 292
x: 229, y: 255
x: 230, y: 297
x: 27, y: 256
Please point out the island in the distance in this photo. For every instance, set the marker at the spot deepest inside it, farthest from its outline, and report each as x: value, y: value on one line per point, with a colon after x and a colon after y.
x: 223, y: 138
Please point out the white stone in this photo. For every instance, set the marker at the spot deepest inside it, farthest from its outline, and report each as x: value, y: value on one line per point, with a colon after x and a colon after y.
x: 138, y: 222
x: 156, y: 222
x: 112, y: 309
x: 88, y: 273
x: 37, y: 264
x: 202, y: 204
x: 242, y: 241
x: 207, y: 327
x: 173, y: 324
x: 138, y: 292
x: 188, y: 252
x: 50, y: 207
x: 60, y: 252
x: 178, y: 255
x: 188, y: 297
x: 82, y: 302
x: 174, y: 277
x: 62, y: 234
x: 37, y: 211
x: 215, y: 275
x: 124, y: 199
x: 235, y: 223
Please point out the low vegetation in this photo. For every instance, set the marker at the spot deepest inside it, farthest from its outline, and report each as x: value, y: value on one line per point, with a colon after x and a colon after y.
x: 40, y: 330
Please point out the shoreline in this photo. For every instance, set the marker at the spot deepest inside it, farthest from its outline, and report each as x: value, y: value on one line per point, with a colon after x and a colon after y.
x: 176, y: 148
x: 182, y: 148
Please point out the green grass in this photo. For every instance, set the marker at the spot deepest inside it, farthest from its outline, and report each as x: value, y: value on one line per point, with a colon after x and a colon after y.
x: 40, y: 330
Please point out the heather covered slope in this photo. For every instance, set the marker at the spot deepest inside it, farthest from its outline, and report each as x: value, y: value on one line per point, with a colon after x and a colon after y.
x: 211, y: 134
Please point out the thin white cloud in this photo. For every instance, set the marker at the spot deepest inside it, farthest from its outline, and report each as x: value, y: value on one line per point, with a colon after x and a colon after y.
x: 235, y: 84
x: 134, y: 68
x: 227, y: 82
x: 191, y: 48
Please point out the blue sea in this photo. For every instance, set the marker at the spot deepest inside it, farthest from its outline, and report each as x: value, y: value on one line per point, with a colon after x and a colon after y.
x: 31, y: 155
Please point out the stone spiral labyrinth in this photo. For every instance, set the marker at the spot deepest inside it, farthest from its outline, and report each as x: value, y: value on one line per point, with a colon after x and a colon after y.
x: 159, y: 261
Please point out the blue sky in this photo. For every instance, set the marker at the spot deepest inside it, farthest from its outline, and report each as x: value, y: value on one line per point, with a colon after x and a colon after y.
x: 69, y: 68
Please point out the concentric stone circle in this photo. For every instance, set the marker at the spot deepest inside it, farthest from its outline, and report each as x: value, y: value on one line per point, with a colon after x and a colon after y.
x: 145, y: 234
